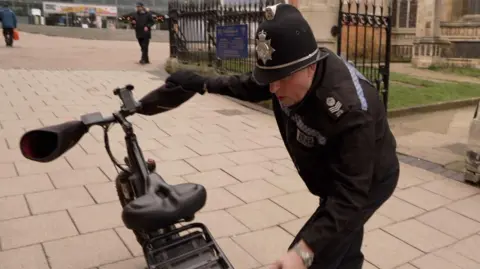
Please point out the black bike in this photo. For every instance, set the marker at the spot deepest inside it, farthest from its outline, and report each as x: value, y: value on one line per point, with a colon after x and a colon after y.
x: 152, y: 208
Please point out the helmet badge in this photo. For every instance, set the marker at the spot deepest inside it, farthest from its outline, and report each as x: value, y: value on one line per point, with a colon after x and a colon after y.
x: 264, y: 49
x: 269, y: 14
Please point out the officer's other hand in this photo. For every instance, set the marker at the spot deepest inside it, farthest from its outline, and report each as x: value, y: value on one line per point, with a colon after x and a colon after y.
x: 290, y: 260
x: 188, y: 80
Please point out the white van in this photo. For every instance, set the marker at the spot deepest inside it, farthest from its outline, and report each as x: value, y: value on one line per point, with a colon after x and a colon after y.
x: 472, y: 158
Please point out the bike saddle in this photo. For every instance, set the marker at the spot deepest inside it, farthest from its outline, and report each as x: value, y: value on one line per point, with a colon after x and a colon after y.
x: 163, y: 205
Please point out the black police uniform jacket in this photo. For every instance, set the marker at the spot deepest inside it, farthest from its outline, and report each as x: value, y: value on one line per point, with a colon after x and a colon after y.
x: 339, y: 139
x: 142, y: 20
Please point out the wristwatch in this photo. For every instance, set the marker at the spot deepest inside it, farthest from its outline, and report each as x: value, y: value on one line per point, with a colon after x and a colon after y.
x: 306, y: 256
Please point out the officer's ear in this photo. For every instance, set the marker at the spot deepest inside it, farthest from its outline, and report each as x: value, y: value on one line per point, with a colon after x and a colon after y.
x: 311, y: 70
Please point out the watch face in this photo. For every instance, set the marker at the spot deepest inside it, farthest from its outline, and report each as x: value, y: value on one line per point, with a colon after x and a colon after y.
x: 307, y: 259
x: 306, y: 256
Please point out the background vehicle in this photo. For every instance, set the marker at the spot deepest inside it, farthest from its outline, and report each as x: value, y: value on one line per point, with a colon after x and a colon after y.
x: 152, y: 208
x: 472, y: 158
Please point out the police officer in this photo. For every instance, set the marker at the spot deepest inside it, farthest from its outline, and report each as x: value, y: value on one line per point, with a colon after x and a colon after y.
x: 143, y: 22
x: 334, y: 127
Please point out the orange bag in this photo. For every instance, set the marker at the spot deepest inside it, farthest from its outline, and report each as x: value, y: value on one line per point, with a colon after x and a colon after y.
x: 16, y: 35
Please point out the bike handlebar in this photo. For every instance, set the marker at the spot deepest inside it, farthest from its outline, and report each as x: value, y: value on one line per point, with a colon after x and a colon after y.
x: 49, y: 143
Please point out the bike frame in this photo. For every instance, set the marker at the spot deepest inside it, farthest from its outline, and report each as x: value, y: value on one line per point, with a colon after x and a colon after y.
x: 133, y: 180
x: 196, y: 249
x: 137, y: 162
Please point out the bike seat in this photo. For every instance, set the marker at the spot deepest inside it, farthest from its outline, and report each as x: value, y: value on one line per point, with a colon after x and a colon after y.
x: 163, y: 205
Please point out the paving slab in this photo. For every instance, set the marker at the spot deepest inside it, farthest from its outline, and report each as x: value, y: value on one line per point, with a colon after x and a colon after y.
x: 439, y: 137
x: 68, y: 210
x: 26, y: 257
x: 86, y: 251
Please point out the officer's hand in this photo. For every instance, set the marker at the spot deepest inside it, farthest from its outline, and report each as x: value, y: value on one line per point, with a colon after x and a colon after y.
x: 188, y: 80
x: 290, y: 260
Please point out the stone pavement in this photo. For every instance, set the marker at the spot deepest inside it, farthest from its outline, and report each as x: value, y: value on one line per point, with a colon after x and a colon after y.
x: 91, y: 33
x: 439, y: 137
x: 35, y: 51
x: 65, y: 214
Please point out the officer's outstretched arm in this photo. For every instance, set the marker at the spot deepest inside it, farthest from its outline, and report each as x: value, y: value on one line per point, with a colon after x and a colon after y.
x: 242, y: 87
x: 352, y: 167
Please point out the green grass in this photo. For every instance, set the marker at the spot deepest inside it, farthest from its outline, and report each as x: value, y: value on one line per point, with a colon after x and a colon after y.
x: 464, y: 71
x: 406, y: 91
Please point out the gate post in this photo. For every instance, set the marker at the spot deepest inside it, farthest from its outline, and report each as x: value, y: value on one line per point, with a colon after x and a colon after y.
x: 322, y: 15
x: 364, y: 33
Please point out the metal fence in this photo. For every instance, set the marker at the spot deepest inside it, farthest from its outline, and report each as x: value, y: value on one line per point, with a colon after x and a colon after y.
x: 364, y: 36
x: 193, y: 30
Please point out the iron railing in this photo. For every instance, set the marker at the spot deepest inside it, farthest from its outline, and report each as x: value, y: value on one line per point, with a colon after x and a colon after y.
x: 363, y: 32
x: 193, y: 31
x: 364, y: 38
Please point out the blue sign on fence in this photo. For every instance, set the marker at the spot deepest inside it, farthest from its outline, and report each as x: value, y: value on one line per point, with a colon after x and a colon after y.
x: 232, y: 41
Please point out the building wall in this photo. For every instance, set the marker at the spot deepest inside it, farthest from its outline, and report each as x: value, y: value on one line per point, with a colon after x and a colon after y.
x: 459, y: 24
x: 404, y: 21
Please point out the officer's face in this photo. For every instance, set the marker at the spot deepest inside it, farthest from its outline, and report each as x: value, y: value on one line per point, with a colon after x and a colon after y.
x: 292, y: 89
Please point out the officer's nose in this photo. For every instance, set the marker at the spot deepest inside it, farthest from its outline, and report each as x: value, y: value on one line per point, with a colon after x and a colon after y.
x: 274, y: 86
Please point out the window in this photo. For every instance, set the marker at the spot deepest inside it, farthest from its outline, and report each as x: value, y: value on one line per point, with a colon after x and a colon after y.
x: 471, y: 7
x: 22, y: 9
x: 412, y: 16
x: 404, y: 13
x: 394, y: 13
x: 403, y: 16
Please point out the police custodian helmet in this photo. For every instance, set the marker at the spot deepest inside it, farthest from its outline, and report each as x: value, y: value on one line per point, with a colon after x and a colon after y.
x: 284, y: 44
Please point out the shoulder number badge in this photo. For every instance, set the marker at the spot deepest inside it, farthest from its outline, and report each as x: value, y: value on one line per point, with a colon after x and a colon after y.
x: 263, y: 48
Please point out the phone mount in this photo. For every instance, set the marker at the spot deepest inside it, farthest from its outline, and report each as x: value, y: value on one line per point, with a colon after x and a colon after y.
x: 129, y: 104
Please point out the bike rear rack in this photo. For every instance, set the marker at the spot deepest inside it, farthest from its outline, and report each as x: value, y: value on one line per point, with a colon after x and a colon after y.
x: 190, y: 250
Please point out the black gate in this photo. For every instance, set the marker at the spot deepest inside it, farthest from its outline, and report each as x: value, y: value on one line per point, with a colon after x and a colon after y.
x: 364, y: 34
x: 364, y: 38
x: 193, y: 25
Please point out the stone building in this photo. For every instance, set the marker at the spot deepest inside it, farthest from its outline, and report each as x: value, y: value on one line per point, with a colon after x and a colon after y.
x: 425, y: 32
x: 433, y: 32
x: 447, y: 32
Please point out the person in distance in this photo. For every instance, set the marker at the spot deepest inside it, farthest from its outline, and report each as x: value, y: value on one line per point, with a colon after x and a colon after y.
x: 142, y: 23
x: 9, y: 23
